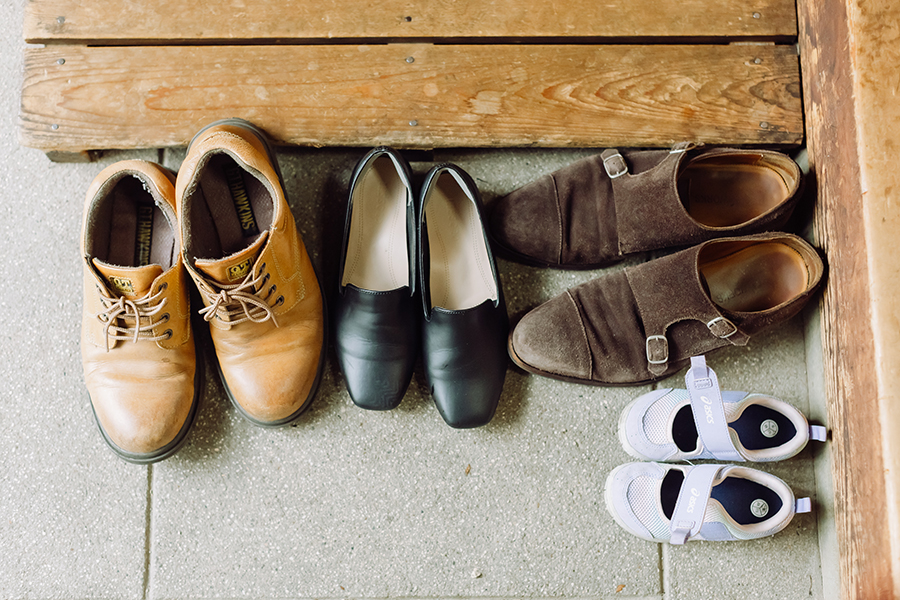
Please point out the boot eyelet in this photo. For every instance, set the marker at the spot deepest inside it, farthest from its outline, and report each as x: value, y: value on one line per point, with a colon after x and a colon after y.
x: 165, y: 318
x: 265, y: 279
x: 103, y: 318
x: 273, y: 288
x: 168, y: 334
x: 279, y: 301
x: 262, y: 267
x: 162, y: 286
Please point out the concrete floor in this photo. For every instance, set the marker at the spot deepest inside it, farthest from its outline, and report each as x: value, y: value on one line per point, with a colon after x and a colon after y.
x: 347, y: 504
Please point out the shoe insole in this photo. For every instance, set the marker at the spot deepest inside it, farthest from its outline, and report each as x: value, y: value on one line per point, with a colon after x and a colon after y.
x: 459, y: 268
x: 761, y: 427
x: 746, y: 501
x: 725, y: 191
x: 136, y: 230
x: 229, y: 209
x: 377, y: 250
x: 755, y: 277
x: 758, y: 428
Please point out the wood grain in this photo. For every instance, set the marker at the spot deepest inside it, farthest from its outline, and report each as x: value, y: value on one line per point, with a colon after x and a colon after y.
x: 862, y: 510
x: 114, y: 21
x: 414, y: 95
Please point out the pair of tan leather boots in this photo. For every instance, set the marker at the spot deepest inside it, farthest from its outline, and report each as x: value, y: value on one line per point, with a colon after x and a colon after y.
x: 225, y: 220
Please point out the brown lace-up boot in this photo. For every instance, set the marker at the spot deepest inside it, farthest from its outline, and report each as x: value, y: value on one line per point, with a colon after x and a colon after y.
x: 261, y: 295
x: 136, y: 344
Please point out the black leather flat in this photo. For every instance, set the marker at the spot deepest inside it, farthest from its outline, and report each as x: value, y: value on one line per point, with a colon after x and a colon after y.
x: 376, y: 324
x: 465, y: 324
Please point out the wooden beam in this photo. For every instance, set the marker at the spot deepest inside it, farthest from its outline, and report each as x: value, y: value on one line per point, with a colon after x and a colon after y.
x: 413, y: 95
x: 853, y: 123
x: 114, y: 21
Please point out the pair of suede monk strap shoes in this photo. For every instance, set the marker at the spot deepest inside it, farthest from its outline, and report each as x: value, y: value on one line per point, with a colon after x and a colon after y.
x: 737, y: 276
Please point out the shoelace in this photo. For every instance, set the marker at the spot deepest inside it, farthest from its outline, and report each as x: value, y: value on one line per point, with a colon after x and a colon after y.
x: 132, y: 313
x: 240, y: 302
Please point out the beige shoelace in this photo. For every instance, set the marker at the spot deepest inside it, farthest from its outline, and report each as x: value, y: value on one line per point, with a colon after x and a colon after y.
x: 132, y: 313
x: 240, y: 302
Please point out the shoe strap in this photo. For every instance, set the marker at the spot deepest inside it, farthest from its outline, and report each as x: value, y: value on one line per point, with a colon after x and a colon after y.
x: 709, y: 411
x: 802, y: 505
x: 660, y: 308
x: 690, y: 508
x: 818, y: 433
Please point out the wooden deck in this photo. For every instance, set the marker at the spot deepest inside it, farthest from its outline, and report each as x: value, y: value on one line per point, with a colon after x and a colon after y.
x: 117, y: 74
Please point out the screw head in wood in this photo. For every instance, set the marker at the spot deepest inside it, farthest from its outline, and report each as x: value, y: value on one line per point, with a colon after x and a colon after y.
x: 756, y: 15
x: 764, y: 125
x: 61, y: 61
x: 54, y: 127
x: 413, y: 123
x: 410, y: 59
x: 757, y: 61
x: 60, y: 20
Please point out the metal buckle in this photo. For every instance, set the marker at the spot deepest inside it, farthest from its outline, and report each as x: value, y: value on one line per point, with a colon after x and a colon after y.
x: 718, y: 320
x: 665, y: 349
x: 618, y: 173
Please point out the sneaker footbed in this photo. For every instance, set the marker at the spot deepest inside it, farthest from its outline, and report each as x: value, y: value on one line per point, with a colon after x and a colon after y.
x: 735, y: 494
x: 752, y: 428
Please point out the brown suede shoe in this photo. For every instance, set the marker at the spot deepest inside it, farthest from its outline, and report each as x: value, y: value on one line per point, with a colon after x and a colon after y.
x: 136, y: 344
x: 242, y: 249
x: 644, y: 323
x: 602, y: 208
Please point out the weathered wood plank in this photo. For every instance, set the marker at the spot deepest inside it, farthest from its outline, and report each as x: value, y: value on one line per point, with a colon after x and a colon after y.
x: 414, y: 95
x: 101, y: 21
x: 852, y: 124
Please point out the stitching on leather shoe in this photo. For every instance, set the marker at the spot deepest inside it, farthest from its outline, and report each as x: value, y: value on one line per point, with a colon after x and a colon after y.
x: 558, y: 219
x: 584, y: 335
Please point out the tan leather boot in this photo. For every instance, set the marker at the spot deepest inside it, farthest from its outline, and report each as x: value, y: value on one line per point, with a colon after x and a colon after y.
x: 262, y: 298
x: 136, y: 344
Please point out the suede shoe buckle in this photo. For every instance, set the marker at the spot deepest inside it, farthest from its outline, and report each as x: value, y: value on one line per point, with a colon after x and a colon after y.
x: 722, y: 328
x: 657, y: 350
x: 615, y: 166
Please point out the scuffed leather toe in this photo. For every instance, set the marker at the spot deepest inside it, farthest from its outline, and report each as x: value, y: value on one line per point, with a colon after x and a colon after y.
x: 526, y: 223
x: 550, y: 340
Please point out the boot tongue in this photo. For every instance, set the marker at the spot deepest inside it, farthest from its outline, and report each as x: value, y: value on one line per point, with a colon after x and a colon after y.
x: 234, y: 267
x: 131, y: 282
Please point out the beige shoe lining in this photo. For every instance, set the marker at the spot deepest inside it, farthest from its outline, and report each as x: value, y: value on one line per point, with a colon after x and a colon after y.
x: 726, y: 191
x: 460, y: 271
x: 130, y: 230
x: 754, y: 277
x: 377, y: 249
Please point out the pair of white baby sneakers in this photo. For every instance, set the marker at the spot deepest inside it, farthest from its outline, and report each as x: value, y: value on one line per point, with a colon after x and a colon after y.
x: 679, y: 502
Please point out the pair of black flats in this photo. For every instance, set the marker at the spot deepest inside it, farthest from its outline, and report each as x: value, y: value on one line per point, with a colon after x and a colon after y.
x: 419, y: 274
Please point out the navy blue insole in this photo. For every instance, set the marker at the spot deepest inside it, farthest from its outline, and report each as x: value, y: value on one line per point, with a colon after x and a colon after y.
x: 736, y: 495
x: 750, y: 431
x: 748, y: 427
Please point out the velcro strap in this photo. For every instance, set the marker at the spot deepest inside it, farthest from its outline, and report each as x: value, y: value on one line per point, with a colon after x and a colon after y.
x: 690, y: 508
x: 709, y: 411
x: 802, y: 505
x: 818, y: 433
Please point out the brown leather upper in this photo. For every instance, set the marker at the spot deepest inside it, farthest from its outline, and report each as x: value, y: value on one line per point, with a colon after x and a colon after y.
x: 269, y: 356
x: 141, y: 391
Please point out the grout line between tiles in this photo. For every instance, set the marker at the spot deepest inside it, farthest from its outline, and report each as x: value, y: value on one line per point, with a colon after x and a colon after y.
x: 148, y: 529
x: 666, y: 571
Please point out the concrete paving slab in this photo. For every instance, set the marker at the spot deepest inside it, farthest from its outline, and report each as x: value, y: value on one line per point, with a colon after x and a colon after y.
x: 357, y: 504
x: 73, y: 517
